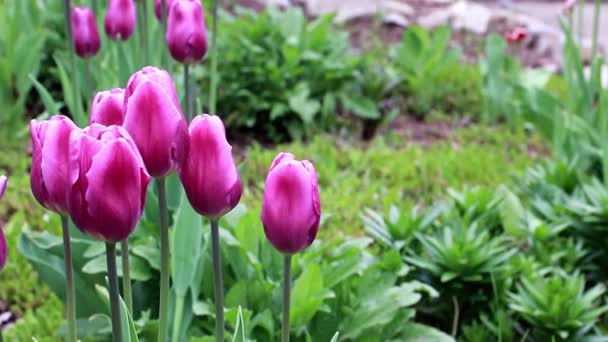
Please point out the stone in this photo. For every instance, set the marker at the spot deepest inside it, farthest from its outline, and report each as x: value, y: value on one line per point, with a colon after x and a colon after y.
x: 396, y: 19
x: 462, y: 15
x: 397, y: 7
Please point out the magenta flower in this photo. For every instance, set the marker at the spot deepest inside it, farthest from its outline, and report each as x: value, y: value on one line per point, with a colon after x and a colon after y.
x: 209, y: 175
x: 155, y: 122
x: 108, y: 182
x: 107, y: 107
x: 186, y: 32
x: 120, y: 19
x: 3, y: 243
x: 154, y: 74
x: 49, y: 176
x: 84, y: 30
x: 157, y: 8
x: 291, y: 210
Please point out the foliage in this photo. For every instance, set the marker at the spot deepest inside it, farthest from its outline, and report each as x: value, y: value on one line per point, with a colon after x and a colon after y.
x: 559, y: 305
x: 282, y: 76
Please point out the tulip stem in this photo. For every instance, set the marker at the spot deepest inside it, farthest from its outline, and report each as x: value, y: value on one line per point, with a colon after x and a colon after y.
x: 213, y: 86
x: 163, y: 18
x: 286, y: 297
x: 177, y: 319
x: 113, y: 288
x: 95, y: 9
x: 189, y: 102
x: 217, y: 277
x: 165, y: 257
x: 142, y: 24
x: 126, y: 275
x: 70, y: 301
x: 88, y: 77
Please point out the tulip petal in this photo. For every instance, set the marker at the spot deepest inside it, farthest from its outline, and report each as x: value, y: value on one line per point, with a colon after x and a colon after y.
x: 158, y: 129
x: 3, y: 183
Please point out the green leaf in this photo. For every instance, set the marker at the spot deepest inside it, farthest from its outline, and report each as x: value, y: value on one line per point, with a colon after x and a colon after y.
x: 419, y: 332
x: 361, y: 106
x: 129, y: 333
x: 49, y: 103
x: 308, y: 294
x: 187, y: 241
x: 140, y: 270
x: 300, y: 103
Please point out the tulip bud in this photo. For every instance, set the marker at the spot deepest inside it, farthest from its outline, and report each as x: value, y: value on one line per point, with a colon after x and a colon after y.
x: 186, y: 32
x: 3, y: 244
x: 156, y: 75
x: 50, y: 154
x: 291, y: 210
x: 157, y: 126
x: 157, y: 8
x: 108, y: 182
x: 84, y: 30
x: 209, y: 176
x: 107, y: 107
x: 120, y: 19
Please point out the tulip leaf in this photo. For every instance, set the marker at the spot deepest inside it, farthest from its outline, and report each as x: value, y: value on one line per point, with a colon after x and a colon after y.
x: 187, y: 240
x: 129, y: 333
x: 49, y: 103
x: 335, y: 338
x: 149, y: 253
x: 140, y: 270
x: 308, y: 294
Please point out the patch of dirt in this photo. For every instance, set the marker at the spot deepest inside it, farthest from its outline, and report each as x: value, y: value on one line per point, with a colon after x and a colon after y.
x: 419, y: 131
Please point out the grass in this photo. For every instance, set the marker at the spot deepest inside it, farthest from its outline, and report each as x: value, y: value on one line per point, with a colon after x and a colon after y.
x: 392, y: 171
x: 351, y: 177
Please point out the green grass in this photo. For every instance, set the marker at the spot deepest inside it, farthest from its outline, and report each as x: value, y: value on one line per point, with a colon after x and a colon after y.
x: 389, y: 170
x: 351, y: 176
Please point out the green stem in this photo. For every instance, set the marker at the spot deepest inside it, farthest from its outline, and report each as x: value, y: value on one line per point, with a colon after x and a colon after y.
x: 217, y: 277
x: 95, y: 8
x: 114, y: 297
x: 596, y: 27
x: 70, y: 301
x: 456, y: 317
x: 213, y: 86
x: 189, y: 102
x: 126, y: 275
x: 163, y: 19
x: 145, y: 33
x: 165, y: 257
x: 286, y: 297
x: 88, y: 77
x: 75, y: 94
x: 177, y: 319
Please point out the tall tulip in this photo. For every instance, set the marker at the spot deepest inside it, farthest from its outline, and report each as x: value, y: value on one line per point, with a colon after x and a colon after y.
x: 85, y: 35
x: 158, y: 8
x: 291, y: 213
x: 213, y: 187
x: 187, y: 40
x: 209, y: 175
x: 154, y: 120
x: 107, y: 194
x: 108, y: 182
x: 107, y: 107
x: 50, y: 182
x: 3, y: 244
x: 186, y: 32
x: 120, y: 19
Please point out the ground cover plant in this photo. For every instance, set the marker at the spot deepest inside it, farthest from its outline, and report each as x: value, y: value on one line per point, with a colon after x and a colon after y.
x: 491, y: 231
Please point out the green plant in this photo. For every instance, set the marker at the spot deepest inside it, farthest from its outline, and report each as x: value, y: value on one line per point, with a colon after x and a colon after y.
x: 559, y: 306
x: 282, y: 77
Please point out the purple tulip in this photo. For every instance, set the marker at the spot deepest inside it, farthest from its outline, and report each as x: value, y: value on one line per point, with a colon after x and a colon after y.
x: 107, y: 107
x: 84, y: 30
x: 120, y: 19
x: 156, y: 75
x: 186, y: 32
x: 157, y: 8
x: 156, y: 123
x: 108, y: 182
x: 209, y: 175
x: 49, y: 176
x: 291, y: 210
x: 3, y: 243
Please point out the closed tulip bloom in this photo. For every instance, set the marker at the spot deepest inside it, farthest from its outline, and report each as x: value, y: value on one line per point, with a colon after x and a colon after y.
x: 49, y: 177
x: 158, y: 128
x: 120, y: 19
x: 156, y: 75
x: 3, y: 244
x: 84, y: 30
x: 107, y: 107
x: 186, y: 32
x: 158, y: 7
x: 209, y: 176
x: 108, y: 182
x: 291, y: 209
